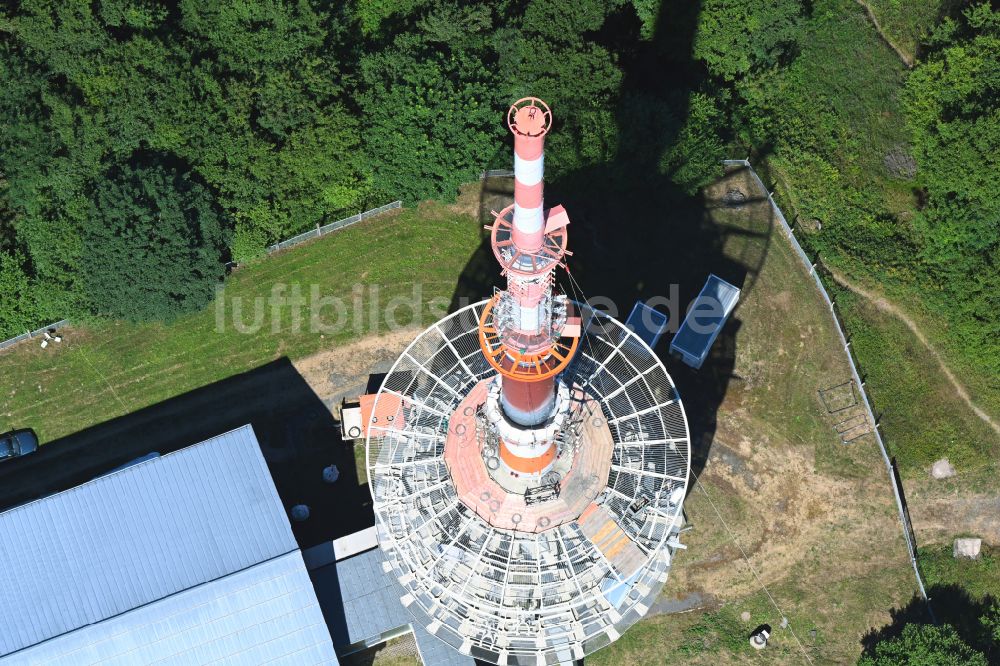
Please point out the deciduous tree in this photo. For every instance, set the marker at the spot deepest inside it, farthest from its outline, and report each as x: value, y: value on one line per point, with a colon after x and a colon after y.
x: 153, y: 248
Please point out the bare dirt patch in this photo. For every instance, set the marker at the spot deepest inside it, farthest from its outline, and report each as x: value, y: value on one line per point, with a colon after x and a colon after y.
x: 343, y: 371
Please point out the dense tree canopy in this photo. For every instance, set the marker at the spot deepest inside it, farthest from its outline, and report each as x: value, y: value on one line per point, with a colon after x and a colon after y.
x: 291, y: 113
x: 954, y: 117
x: 924, y: 645
x: 152, y: 246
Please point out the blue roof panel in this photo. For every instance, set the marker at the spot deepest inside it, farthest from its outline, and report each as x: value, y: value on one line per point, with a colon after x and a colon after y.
x: 647, y: 322
x: 704, y: 320
x: 264, y: 614
x: 136, y: 536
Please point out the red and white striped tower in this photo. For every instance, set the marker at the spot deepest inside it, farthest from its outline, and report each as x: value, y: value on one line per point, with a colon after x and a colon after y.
x: 528, y: 334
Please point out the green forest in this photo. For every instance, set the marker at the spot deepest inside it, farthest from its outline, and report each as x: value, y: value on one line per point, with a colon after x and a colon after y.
x: 145, y: 144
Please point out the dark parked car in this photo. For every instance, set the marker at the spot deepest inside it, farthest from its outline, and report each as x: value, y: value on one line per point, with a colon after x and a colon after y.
x: 17, y: 443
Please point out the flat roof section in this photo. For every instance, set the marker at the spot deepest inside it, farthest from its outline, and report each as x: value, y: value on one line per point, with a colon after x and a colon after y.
x: 266, y: 614
x: 99, y: 565
x: 361, y: 603
x: 646, y: 322
x: 366, y: 595
x: 704, y: 321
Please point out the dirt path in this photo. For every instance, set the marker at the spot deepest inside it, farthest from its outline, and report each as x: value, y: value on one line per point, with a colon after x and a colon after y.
x: 890, y: 308
x: 342, y: 371
x: 906, y: 58
x: 940, y: 519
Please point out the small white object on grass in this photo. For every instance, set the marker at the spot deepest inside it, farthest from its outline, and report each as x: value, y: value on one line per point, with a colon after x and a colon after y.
x: 942, y: 469
x: 759, y: 639
x: 968, y: 548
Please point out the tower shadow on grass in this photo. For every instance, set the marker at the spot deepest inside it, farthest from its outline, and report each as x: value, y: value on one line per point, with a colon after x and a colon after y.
x: 297, y: 433
x: 634, y: 231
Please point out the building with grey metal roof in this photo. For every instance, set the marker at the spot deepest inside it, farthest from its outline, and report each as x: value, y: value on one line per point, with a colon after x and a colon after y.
x: 187, y: 558
x: 362, y: 605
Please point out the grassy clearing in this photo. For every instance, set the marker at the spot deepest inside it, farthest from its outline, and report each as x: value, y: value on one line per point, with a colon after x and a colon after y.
x: 815, y: 517
x: 853, y: 80
x: 983, y: 388
x: 922, y: 417
x: 981, y: 578
x: 861, y: 108
x: 109, y: 369
x: 907, y: 22
x: 400, y: 651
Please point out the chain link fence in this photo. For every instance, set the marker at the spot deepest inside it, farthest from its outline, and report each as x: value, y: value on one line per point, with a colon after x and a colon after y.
x: 333, y: 226
x: 496, y: 173
x: 890, y: 463
x: 29, y: 335
x: 295, y: 240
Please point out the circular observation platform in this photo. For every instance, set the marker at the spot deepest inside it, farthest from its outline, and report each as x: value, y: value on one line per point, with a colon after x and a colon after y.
x: 526, y: 264
x: 508, y: 500
x: 524, y: 575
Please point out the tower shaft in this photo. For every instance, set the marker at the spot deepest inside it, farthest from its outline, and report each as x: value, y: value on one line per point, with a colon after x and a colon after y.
x: 526, y: 331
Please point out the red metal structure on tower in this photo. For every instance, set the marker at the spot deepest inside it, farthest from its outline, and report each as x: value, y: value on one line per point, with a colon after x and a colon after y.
x: 528, y: 455
x: 527, y: 333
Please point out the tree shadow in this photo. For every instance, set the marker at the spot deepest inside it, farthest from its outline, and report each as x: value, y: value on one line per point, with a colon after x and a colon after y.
x: 635, y: 234
x: 297, y: 433
x: 952, y: 605
x: 481, y: 273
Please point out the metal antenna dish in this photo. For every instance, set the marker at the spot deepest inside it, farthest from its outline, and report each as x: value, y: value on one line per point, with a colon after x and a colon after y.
x: 495, y: 577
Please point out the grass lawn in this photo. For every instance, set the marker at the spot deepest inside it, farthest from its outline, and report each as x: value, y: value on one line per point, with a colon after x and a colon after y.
x: 109, y: 369
x: 851, y: 81
x: 815, y: 517
x: 907, y: 22
x: 400, y: 651
x: 922, y: 417
x: 981, y: 578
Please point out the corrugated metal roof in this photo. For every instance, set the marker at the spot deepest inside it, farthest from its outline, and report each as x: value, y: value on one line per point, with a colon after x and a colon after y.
x: 137, y: 536
x: 264, y: 614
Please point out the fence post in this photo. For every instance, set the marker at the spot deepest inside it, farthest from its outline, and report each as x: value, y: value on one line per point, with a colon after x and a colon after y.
x: 30, y: 335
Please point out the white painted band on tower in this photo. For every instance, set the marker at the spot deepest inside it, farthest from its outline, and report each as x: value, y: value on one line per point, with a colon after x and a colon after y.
x: 528, y: 317
x: 529, y: 172
x: 528, y: 220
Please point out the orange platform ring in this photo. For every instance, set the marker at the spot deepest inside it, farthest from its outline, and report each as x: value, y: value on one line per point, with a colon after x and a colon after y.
x: 522, y: 366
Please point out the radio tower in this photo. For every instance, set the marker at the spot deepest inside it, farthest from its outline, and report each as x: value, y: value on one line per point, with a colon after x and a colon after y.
x: 528, y: 456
